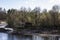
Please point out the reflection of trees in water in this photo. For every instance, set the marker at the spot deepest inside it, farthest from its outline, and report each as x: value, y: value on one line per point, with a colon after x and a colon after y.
x: 19, y: 37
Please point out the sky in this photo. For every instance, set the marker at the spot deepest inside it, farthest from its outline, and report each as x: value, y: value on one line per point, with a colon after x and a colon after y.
x: 17, y: 4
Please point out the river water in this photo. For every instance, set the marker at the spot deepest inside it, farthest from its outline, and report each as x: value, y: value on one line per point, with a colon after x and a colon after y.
x: 5, y: 36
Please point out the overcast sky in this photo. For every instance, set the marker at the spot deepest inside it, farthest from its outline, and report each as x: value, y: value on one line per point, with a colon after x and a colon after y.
x: 17, y: 4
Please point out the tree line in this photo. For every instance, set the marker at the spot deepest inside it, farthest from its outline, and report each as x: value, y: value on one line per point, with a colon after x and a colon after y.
x: 32, y: 19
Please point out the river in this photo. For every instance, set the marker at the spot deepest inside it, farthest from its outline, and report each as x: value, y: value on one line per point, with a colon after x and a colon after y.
x: 6, y: 36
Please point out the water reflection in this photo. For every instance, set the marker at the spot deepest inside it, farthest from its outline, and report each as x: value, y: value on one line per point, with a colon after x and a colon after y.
x: 19, y: 37
x: 5, y: 36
